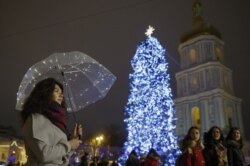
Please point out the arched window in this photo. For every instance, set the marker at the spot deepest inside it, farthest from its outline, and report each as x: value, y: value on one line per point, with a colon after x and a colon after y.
x: 218, y: 54
x: 192, y: 55
x: 196, y: 116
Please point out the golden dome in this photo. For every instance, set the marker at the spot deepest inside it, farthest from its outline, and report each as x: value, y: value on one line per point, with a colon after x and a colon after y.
x: 199, y: 27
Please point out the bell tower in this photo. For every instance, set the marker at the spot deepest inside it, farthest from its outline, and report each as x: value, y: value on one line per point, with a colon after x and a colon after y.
x: 205, y: 95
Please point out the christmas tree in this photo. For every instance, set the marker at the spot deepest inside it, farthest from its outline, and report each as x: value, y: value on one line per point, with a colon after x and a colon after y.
x: 149, y: 111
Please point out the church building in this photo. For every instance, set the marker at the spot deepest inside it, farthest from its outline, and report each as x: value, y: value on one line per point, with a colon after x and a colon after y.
x: 205, y: 94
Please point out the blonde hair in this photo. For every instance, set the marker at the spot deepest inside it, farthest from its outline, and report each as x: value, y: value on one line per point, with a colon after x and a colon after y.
x: 188, y: 142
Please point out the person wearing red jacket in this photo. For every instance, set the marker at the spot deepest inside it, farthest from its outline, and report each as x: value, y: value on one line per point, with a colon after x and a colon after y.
x: 192, y: 148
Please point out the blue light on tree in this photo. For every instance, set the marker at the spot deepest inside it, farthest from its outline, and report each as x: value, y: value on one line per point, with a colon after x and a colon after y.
x: 149, y: 111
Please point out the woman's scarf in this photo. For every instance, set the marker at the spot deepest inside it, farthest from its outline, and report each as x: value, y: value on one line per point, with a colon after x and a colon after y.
x: 57, y: 115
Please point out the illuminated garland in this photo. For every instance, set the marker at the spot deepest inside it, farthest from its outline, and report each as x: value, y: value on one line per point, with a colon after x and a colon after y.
x: 149, y: 111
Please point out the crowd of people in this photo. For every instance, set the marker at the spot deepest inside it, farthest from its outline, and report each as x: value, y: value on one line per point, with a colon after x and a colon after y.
x: 96, y: 161
x: 213, y: 150
x: 152, y: 159
x: 48, y: 142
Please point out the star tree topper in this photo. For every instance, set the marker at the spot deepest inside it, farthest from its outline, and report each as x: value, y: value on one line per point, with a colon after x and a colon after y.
x: 150, y: 30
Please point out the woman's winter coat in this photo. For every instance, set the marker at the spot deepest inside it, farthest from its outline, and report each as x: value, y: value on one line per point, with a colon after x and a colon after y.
x: 234, y: 154
x: 215, y: 154
x: 46, y: 144
x: 195, y: 158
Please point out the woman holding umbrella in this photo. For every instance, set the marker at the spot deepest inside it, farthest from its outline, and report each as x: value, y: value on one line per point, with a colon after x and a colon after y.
x: 44, y: 125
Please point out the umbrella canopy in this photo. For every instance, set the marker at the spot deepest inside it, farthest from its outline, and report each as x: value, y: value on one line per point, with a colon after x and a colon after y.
x: 85, y: 80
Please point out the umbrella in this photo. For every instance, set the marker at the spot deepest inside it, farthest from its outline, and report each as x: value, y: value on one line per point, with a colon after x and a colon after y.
x: 85, y: 80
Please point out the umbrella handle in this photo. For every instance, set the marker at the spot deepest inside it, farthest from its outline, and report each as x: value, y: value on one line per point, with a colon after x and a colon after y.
x: 79, y: 126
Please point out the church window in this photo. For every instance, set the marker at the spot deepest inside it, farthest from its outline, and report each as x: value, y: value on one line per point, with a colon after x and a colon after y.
x: 208, y: 51
x: 192, y: 55
x: 218, y: 54
x: 194, y: 82
x: 196, y: 116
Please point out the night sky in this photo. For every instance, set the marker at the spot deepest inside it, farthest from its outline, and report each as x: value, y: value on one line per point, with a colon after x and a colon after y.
x: 109, y: 31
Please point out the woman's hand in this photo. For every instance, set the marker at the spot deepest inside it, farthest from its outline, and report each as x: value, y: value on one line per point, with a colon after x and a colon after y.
x: 79, y: 130
x: 77, y: 133
x: 74, y: 143
x: 190, y: 151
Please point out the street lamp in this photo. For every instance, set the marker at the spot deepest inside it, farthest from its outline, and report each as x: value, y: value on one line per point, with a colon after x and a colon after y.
x: 97, y: 142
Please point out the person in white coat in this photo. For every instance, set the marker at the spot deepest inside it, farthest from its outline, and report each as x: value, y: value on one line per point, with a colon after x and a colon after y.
x: 44, y: 126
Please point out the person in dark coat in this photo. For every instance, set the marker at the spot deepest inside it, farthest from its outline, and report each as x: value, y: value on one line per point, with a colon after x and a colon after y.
x: 132, y: 159
x: 142, y: 160
x: 84, y: 160
x: 215, y: 152
x: 114, y: 163
x: 153, y: 158
x: 103, y: 162
x: 234, y: 148
x: 94, y: 161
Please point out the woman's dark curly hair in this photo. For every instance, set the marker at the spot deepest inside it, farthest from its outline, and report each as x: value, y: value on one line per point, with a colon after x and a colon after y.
x: 40, y: 98
x: 208, y: 137
x: 153, y: 152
